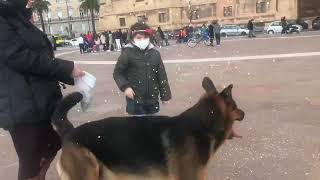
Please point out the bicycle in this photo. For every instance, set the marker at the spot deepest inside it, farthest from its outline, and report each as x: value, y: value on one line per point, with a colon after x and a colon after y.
x: 194, y: 41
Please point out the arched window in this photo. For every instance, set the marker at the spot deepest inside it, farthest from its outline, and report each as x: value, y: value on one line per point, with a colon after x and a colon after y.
x: 70, y: 11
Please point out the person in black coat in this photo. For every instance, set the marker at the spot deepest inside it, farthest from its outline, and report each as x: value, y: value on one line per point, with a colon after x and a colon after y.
x: 211, y: 33
x: 251, y: 28
x: 29, y: 88
x: 284, y: 25
x: 141, y: 75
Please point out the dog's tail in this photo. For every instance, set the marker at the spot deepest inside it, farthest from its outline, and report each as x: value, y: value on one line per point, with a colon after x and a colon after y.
x: 59, y: 118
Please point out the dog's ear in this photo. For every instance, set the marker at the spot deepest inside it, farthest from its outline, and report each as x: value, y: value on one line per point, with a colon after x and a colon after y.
x: 227, y: 92
x: 208, y: 85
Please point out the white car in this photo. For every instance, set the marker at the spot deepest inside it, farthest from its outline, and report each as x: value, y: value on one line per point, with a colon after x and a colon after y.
x: 233, y: 30
x: 276, y: 27
x: 72, y: 42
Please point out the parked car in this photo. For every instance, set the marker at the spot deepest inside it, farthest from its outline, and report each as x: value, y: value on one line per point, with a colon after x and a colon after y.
x: 276, y: 27
x: 71, y: 42
x: 233, y: 30
x: 316, y: 23
x: 60, y: 40
x: 302, y: 23
x: 259, y: 27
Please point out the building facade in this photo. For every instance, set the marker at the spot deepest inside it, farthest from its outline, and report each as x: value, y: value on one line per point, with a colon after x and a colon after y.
x: 174, y: 14
x: 57, y: 20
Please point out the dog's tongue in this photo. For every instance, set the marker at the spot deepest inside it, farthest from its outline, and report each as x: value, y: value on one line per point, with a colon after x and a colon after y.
x: 233, y: 134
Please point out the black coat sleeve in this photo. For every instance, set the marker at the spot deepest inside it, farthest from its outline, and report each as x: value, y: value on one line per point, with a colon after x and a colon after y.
x: 16, y: 55
x: 165, y: 92
x: 120, y: 72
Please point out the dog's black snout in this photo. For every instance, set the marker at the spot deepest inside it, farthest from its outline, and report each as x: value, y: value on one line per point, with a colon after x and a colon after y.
x: 241, y: 115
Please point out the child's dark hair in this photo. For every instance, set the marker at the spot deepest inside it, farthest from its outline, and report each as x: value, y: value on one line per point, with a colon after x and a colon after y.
x: 139, y: 26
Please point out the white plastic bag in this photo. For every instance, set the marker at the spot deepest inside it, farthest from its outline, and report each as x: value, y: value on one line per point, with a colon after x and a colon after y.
x: 85, y: 84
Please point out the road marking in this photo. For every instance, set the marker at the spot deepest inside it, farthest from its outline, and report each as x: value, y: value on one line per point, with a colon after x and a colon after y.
x: 66, y: 53
x: 10, y: 165
x: 270, y: 38
x: 219, y: 59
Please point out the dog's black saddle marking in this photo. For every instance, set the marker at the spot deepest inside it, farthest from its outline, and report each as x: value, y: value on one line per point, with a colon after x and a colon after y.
x: 127, y: 143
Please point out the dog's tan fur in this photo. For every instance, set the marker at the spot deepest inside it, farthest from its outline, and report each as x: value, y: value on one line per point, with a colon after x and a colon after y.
x: 79, y: 163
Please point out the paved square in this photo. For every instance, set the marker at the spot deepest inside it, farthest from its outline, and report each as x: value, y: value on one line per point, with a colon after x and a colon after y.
x: 278, y: 88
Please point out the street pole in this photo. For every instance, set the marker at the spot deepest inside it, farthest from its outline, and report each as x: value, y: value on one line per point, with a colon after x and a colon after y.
x: 49, y: 29
x: 88, y: 21
x: 69, y: 24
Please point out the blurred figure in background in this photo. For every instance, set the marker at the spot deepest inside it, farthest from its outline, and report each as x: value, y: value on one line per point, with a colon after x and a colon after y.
x: 217, y: 31
x: 103, y: 41
x: 81, y: 43
x: 251, y: 28
x: 118, y: 37
x: 111, y: 40
x: 211, y: 33
x: 284, y: 25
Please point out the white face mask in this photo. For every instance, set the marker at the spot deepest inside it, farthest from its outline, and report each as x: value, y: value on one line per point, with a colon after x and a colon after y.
x: 142, y: 44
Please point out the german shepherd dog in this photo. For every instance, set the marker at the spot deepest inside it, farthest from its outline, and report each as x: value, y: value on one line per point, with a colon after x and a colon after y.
x: 151, y: 147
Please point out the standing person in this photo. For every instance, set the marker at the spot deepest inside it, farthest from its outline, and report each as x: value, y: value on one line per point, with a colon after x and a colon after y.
x: 110, y: 41
x: 141, y: 75
x: 166, y: 39
x: 97, y: 43
x: 29, y: 88
x: 118, y: 38
x: 103, y: 41
x: 204, y: 30
x: 284, y: 25
x: 217, y: 32
x: 124, y: 38
x: 53, y: 42
x: 128, y: 36
x: 90, y: 39
x: 161, y: 33
x: 160, y: 36
x: 190, y: 31
x: 81, y: 43
x: 251, y: 28
x: 158, y: 39
x: 211, y: 33
x: 106, y: 35
x: 185, y: 34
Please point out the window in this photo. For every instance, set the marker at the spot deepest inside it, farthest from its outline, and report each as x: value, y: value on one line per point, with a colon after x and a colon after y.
x: 263, y: 6
x: 49, y: 14
x: 227, y: 11
x: 163, y: 17
x: 61, y: 29
x: 276, y: 24
x: 122, y: 22
x: 59, y: 13
x: 204, y: 11
x: 70, y: 11
x: 81, y: 13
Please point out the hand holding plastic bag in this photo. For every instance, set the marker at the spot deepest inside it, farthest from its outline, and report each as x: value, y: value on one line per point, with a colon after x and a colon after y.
x: 85, y: 84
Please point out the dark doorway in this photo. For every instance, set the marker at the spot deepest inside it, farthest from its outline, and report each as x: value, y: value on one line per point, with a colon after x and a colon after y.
x: 308, y: 8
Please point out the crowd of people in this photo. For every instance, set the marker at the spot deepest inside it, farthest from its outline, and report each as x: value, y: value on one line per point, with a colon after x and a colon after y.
x: 115, y: 41
x: 212, y: 31
x: 106, y: 41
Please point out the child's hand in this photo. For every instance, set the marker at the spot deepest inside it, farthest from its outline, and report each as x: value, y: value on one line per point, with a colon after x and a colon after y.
x: 129, y: 93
